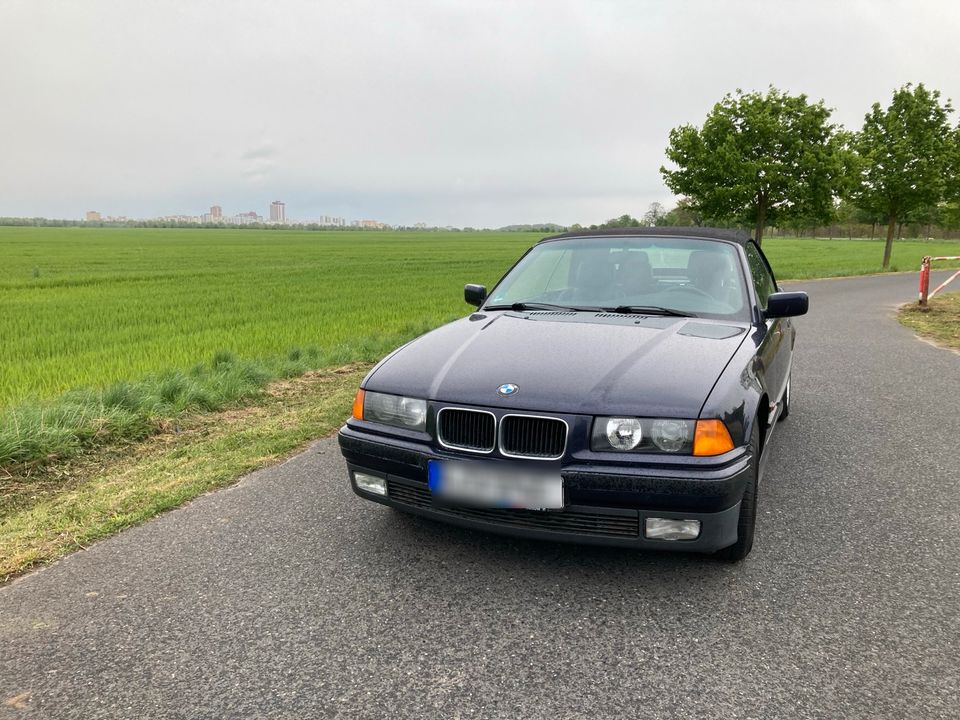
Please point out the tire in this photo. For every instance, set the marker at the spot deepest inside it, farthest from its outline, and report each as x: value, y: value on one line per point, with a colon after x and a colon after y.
x: 746, y: 525
x: 785, y: 412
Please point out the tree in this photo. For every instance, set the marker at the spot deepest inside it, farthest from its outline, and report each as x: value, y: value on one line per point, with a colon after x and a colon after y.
x: 950, y: 217
x: 654, y: 215
x: 760, y: 158
x: 906, y: 157
x: 621, y: 222
x: 922, y: 220
x: 685, y: 214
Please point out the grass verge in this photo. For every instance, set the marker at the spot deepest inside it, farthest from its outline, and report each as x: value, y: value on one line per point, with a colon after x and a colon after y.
x: 50, y: 511
x: 40, y: 433
x: 940, y: 323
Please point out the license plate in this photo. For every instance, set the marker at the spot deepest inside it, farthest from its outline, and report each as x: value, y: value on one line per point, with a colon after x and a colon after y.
x: 495, y: 485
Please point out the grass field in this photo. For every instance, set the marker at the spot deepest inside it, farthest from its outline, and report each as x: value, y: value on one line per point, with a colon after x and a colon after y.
x: 93, y: 306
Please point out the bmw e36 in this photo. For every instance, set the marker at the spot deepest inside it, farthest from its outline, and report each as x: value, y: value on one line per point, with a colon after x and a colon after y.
x: 615, y: 387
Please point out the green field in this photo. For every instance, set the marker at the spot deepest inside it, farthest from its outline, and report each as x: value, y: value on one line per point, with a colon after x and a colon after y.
x: 88, y: 307
x: 92, y: 306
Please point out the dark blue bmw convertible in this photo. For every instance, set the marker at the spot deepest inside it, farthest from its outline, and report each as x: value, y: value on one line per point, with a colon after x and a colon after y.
x: 616, y: 387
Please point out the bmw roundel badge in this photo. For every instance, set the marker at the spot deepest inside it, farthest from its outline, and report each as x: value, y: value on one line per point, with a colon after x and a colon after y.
x: 507, y: 389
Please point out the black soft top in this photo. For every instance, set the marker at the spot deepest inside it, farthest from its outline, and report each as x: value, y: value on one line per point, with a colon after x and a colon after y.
x: 738, y: 236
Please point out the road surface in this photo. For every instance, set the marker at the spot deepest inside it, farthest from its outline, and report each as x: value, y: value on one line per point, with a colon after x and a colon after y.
x: 287, y: 596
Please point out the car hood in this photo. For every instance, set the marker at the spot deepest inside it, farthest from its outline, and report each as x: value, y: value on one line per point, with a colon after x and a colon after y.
x: 578, y: 363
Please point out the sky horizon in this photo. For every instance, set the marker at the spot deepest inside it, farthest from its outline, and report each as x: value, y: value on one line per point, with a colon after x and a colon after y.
x: 435, y: 112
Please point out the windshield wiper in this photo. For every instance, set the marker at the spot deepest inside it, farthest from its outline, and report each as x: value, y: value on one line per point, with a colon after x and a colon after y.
x: 648, y: 310
x: 521, y: 306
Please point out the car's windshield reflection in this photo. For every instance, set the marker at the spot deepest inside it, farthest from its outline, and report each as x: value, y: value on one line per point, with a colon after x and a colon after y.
x: 655, y: 275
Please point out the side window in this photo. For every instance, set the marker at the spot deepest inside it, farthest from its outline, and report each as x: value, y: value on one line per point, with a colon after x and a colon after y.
x: 763, y: 281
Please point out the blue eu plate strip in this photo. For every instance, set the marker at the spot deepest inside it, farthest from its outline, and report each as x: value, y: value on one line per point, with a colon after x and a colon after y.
x: 433, y: 475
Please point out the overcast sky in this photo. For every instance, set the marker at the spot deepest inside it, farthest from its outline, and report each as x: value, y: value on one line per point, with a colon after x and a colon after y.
x: 463, y: 113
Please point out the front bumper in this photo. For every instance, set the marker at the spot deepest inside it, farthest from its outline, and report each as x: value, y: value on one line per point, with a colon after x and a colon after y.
x: 603, y: 505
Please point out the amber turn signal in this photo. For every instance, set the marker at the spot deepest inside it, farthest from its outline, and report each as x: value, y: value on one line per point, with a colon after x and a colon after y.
x: 358, y: 405
x: 711, y: 438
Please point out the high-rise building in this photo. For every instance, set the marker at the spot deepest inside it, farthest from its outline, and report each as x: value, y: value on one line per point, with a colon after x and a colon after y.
x: 93, y: 216
x: 246, y: 218
x: 278, y: 211
x: 216, y: 213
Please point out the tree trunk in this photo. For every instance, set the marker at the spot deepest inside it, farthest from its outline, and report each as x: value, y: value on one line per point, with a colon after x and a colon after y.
x: 889, y: 245
x: 761, y: 221
x: 899, y: 230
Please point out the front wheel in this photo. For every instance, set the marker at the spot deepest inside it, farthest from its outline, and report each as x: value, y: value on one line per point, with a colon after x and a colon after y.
x: 747, y: 522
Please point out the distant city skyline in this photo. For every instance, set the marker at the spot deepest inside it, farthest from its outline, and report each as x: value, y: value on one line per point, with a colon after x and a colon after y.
x: 277, y: 215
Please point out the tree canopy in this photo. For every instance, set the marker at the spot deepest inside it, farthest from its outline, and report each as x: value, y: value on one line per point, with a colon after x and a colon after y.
x: 655, y: 214
x: 906, y: 157
x: 624, y: 221
x: 760, y: 158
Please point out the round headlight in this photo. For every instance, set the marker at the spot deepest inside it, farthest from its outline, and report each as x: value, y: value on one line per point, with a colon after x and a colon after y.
x: 395, y: 410
x: 624, y: 433
x: 670, y: 435
x: 412, y: 411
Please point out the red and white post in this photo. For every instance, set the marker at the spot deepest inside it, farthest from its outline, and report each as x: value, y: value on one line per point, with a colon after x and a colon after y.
x: 924, y: 280
x: 925, y: 293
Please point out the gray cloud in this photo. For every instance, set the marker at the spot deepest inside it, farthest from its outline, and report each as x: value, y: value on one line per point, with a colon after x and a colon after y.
x: 447, y: 112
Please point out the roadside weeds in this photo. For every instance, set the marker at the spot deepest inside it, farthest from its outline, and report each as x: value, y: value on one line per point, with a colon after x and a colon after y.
x: 939, y: 324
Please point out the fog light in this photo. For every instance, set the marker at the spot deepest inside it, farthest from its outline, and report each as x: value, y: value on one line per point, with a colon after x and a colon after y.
x: 370, y: 483
x: 665, y: 529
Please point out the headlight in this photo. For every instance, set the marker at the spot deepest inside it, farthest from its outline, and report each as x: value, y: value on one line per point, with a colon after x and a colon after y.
x: 671, y: 435
x: 623, y: 434
x: 395, y: 410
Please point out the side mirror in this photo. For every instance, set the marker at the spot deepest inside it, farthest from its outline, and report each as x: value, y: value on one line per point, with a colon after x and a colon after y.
x: 474, y: 294
x: 787, y: 304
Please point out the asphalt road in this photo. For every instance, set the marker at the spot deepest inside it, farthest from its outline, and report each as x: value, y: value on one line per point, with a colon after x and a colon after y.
x: 287, y: 596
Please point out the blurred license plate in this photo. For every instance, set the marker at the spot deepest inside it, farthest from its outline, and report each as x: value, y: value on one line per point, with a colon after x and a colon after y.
x: 500, y: 485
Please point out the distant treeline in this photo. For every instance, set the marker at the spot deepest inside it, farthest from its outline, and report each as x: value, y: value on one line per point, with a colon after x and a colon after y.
x: 547, y: 228
x: 937, y: 223
x: 678, y: 217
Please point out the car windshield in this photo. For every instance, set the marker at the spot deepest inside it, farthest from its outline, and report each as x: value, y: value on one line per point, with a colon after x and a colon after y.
x: 650, y: 274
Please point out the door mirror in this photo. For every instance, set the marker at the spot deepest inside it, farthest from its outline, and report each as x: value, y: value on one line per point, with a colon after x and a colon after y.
x: 474, y: 294
x: 787, y: 304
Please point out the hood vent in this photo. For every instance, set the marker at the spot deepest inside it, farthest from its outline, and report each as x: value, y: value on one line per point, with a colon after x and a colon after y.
x: 551, y: 312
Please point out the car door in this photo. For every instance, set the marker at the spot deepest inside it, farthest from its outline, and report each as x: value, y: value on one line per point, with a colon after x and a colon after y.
x: 775, y: 346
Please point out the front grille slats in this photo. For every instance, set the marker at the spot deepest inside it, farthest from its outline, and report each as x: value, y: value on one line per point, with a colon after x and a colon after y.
x: 466, y: 429
x: 578, y: 522
x: 532, y: 436
x: 528, y: 436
